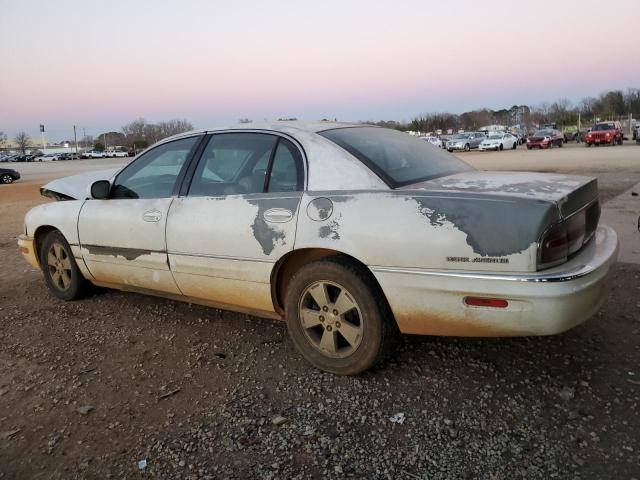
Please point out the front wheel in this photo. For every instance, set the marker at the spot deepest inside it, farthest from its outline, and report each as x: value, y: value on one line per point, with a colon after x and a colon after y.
x: 515, y: 145
x: 560, y: 143
x: 6, y: 178
x: 501, y: 147
x: 61, y: 273
x: 337, y: 317
x: 467, y: 147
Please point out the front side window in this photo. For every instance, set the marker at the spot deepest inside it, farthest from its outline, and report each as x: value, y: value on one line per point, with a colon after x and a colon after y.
x: 396, y: 157
x: 154, y: 173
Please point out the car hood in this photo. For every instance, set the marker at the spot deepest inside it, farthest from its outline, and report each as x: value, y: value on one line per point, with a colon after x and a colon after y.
x: 75, y: 187
x: 569, y: 192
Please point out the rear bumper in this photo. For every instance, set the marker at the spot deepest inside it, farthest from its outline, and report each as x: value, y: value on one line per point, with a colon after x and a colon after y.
x: 428, y: 302
x: 28, y: 251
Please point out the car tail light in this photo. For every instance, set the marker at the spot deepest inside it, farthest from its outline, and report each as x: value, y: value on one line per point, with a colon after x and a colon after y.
x: 486, y: 302
x: 555, y: 245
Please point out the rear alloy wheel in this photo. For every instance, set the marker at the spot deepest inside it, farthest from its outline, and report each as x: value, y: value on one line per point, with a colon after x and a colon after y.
x: 337, y: 317
x: 6, y: 178
x: 61, y: 273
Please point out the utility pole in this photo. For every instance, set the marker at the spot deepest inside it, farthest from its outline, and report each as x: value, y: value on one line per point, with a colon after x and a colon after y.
x: 75, y: 138
x: 104, y: 136
x: 44, y: 147
x: 84, y: 137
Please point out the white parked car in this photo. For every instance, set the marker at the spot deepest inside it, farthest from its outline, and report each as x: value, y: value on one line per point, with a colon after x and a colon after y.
x: 435, y: 141
x: 94, y: 154
x: 499, y: 141
x: 47, y: 157
x: 347, y: 232
x: 116, y: 153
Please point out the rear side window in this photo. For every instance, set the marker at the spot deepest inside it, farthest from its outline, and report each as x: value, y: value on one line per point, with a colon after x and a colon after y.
x: 286, y: 169
x: 233, y: 164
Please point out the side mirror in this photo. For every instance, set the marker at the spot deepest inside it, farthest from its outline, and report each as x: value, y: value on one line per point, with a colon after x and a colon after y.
x: 100, y: 190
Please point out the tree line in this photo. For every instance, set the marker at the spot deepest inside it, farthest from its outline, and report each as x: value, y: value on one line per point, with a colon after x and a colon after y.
x: 612, y: 104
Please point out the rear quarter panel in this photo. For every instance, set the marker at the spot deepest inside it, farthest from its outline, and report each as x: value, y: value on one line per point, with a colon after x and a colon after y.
x: 426, y: 230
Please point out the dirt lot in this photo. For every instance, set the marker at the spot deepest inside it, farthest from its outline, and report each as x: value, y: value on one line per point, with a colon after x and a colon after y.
x: 90, y: 388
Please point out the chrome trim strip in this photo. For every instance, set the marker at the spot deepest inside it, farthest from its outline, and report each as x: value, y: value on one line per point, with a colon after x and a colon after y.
x: 578, y: 272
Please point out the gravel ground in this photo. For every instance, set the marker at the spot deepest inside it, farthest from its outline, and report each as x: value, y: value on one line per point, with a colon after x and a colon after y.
x: 89, y: 389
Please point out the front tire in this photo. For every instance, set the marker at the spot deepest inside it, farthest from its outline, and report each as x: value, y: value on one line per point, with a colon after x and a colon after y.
x: 337, y: 317
x: 467, y: 147
x: 61, y: 272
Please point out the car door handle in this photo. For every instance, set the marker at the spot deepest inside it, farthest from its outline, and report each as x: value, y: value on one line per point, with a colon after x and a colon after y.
x: 278, y: 215
x: 152, y: 216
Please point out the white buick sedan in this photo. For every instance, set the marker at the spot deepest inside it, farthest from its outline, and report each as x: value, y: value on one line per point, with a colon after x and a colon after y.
x: 348, y: 232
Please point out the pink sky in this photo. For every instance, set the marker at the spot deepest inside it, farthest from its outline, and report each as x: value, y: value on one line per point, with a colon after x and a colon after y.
x: 100, y: 65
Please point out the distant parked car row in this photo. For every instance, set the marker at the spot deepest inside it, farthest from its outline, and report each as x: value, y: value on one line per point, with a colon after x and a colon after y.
x: 40, y: 157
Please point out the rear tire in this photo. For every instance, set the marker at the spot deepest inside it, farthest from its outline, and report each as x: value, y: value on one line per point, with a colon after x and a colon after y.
x: 61, y: 272
x: 7, y: 179
x: 337, y: 317
x: 501, y: 147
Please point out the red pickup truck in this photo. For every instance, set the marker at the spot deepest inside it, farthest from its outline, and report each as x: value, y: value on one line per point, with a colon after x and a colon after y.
x: 604, y: 132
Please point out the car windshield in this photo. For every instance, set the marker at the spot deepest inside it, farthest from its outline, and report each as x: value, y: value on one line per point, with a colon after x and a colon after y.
x: 603, y: 126
x: 544, y: 133
x: 460, y: 136
x: 495, y: 137
x: 396, y: 157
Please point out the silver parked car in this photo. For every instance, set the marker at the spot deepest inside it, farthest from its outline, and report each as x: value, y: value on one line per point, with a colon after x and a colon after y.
x: 348, y: 232
x: 465, y: 141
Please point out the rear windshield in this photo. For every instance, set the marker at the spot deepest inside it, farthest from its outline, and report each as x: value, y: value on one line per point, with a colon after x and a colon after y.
x: 396, y: 157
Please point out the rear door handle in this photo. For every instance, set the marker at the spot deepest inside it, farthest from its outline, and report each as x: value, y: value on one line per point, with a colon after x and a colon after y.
x: 152, y: 216
x: 278, y: 215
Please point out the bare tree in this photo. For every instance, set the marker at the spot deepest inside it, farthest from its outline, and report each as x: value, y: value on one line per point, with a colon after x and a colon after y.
x: 3, y: 139
x: 142, y: 133
x: 23, y: 140
x: 173, y: 127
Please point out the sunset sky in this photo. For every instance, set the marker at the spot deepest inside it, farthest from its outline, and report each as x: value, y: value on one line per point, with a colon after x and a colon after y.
x: 99, y: 65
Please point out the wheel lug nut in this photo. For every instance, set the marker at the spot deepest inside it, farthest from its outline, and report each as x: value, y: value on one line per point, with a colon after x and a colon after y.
x: 325, y: 309
x: 321, y: 318
x: 335, y: 312
x: 328, y: 328
x: 337, y: 324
